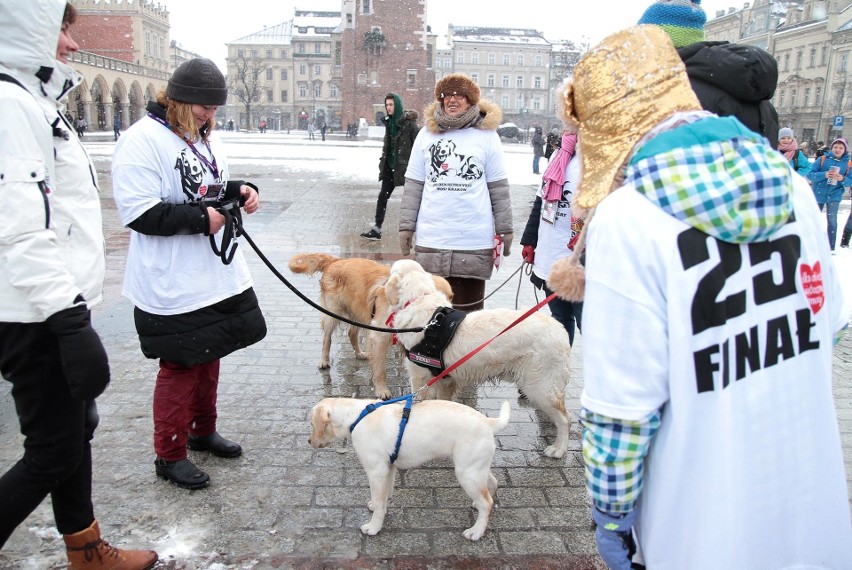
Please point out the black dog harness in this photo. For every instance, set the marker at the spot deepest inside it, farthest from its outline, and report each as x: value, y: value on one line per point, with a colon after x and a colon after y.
x: 441, y: 329
x: 409, y: 398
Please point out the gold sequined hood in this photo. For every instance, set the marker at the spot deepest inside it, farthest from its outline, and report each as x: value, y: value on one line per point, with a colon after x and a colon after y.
x: 620, y: 90
x: 493, y: 116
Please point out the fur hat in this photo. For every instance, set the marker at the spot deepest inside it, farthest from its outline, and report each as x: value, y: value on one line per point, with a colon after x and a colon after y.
x: 460, y: 84
x: 786, y: 132
x: 683, y: 20
x: 199, y: 82
x: 621, y: 89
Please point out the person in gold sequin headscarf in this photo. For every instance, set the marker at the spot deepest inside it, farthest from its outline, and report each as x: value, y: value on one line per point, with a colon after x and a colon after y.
x: 708, y: 274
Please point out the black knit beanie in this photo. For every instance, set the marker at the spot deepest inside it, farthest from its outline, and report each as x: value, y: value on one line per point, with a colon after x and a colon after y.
x: 199, y: 82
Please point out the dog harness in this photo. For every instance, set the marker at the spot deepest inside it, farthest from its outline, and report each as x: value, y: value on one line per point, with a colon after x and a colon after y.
x: 442, y: 327
x: 406, y: 411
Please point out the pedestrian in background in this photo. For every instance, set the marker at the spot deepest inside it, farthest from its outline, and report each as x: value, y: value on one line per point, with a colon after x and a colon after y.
x: 538, y: 148
x: 457, y: 203
x: 705, y: 435
x: 116, y: 126
x: 51, y: 272
x: 400, y: 131
x: 170, y: 175
x: 828, y: 177
x: 789, y: 147
x: 311, y: 130
x: 729, y: 79
x: 553, y: 141
x: 551, y: 228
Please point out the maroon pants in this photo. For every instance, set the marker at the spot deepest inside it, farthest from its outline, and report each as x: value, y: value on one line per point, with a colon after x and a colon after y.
x: 184, y: 403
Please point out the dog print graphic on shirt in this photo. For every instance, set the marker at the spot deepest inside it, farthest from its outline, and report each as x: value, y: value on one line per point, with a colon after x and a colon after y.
x: 191, y: 174
x: 446, y: 162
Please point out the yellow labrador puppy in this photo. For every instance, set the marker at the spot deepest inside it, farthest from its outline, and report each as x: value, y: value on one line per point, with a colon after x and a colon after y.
x: 533, y: 354
x: 436, y: 429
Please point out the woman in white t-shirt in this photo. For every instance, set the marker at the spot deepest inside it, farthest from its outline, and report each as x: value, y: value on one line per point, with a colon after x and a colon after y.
x: 456, y: 196
x: 191, y: 309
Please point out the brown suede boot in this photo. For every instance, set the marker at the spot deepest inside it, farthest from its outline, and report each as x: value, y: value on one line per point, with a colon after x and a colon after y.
x: 86, y: 549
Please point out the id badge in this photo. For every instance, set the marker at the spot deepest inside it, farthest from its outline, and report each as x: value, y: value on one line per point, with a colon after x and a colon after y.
x: 548, y: 211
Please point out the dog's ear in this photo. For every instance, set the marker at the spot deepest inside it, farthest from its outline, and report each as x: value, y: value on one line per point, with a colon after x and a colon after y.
x: 392, y: 289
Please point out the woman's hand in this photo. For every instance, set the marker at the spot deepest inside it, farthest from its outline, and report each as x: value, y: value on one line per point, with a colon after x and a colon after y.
x: 216, y: 219
x: 252, y: 200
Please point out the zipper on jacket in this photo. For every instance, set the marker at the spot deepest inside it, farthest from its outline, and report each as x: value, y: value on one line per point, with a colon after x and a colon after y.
x: 43, y: 189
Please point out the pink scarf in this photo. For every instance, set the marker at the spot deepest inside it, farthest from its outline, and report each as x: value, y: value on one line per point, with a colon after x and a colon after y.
x: 554, y: 176
x: 789, y: 149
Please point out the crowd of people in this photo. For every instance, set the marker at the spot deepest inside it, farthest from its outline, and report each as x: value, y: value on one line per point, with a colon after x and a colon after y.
x: 685, y: 236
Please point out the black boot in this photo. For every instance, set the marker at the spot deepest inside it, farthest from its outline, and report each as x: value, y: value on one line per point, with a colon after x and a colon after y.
x: 182, y: 473
x: 215, y: 444
x: 844, y: 239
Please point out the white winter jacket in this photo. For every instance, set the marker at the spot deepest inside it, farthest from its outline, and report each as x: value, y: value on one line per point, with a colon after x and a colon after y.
x: 51, y: 241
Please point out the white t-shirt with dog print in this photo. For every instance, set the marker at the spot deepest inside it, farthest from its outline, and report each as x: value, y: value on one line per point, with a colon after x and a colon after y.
x: 456, y: 166
x: 174, y: 274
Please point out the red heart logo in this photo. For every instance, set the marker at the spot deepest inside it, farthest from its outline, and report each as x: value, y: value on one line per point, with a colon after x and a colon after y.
x: 812, y: 284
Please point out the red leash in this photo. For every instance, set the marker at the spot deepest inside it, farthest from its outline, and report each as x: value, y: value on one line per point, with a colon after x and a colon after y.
x: 469, y: 355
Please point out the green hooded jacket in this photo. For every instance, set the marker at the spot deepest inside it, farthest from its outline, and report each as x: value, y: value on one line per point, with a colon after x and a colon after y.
x: 400, y: 131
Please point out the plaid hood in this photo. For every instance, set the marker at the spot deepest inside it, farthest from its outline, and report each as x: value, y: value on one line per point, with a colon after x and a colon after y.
x: 717, y: 176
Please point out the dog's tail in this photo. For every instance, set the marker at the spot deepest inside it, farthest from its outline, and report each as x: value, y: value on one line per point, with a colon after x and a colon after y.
x: 502, y: 420
x: 310, y: 263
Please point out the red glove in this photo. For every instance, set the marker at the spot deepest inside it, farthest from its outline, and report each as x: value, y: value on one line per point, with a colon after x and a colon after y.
x: 528, y: 253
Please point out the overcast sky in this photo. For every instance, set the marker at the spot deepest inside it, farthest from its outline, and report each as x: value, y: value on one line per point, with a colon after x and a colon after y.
x: 204, y: 26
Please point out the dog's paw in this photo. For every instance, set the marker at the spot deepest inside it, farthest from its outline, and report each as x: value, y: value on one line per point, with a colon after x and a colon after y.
x: 371, y: 530
x: 383, y: 393
x: 362, y: 356
x: 553, y: 451
x: 474, y: 533
x: 324, y: 365
x: 370, y: 505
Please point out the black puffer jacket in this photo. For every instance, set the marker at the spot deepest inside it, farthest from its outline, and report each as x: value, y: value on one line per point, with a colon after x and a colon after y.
x: 735, y: 79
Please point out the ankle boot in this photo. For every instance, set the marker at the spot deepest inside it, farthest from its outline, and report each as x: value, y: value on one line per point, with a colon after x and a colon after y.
x: 182, y: 473
x: 86, y: 549
x: 215, y: 444
x: 844, y: 239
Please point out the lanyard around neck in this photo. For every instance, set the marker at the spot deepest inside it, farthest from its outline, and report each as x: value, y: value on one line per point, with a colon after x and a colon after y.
x: 214, y: 168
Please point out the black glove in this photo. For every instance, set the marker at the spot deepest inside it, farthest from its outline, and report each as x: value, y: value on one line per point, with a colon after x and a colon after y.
x: 83, y: 356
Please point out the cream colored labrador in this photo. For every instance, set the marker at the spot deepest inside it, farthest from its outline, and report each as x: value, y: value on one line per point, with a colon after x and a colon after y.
x: 534, y: 354
x: 436, y: 429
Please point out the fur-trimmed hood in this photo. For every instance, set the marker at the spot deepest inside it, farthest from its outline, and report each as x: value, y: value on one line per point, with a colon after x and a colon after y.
x: 491, y: 112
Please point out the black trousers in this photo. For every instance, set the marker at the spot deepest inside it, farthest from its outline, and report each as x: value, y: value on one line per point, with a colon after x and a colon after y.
x: 384, y: 196
x: 57, y: 429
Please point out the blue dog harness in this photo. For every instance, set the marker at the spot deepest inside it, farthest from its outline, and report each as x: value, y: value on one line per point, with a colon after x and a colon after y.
x: 409, y: 398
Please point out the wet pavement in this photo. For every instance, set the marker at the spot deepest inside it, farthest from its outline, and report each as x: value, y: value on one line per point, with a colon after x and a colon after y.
x: 284, y: 504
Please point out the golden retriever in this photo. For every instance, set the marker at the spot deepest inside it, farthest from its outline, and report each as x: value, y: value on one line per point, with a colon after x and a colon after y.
x: 436, y: 429
x: 534, y: 353
x: 354, y: 288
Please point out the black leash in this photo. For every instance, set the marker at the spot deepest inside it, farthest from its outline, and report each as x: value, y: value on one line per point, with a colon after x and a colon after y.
x: 240, y: 230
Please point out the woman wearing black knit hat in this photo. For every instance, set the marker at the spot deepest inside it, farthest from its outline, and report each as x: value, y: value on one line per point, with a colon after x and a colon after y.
x: 170, y: 177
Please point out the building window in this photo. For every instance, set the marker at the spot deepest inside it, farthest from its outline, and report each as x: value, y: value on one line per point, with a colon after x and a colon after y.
x: 519, y: 102
x: 537, y: 82
x: 504, y: 101
x: 520, y: 59
x: 332, y: 91
x: 844, y: 57
x: 283, y: 54
x: 162, y: 47
x: 492, y: 58
x: 807, y: 96
x: 799, y: 58
x: 317, y: 48
x: 411, y: 79
x: 338, y: 53
x: 317, y: 70
x: 474, y: 57
x: 475, y: 78
x: 269, y: 75
x: 448, y: 62
x: 301, y: 48
x: 538, y: 61
x: 505, y: 81
x: 787, y: 61
x: 317, y: 89
x: 254, y: 54
x: 818, y: 96
x: 303, y: 70
x: 519, y: 81
x: 491, y: 80
x: 793, y: 94
x: 303, y: 91
x: 269, y: 98
x: 824, y: 56
x: 284, y: 75
x: 507, y: 59
x: 147, y: 43
x: 781, y: 98
x: 365, y: 7
x: 460, y: 57
x: 240, y: 54
x: 536, y: 104
x: 813, y: 58
x: 283, y: 95
x: 269, y: 54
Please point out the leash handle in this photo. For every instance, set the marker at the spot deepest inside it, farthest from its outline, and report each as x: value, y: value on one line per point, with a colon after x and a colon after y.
x: 469, y: 355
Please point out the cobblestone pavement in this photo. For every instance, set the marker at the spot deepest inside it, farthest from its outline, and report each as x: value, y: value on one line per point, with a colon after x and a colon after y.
x: 283, y: 504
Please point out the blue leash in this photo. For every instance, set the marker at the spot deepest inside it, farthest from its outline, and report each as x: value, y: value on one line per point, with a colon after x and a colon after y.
x: 409, y: 398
